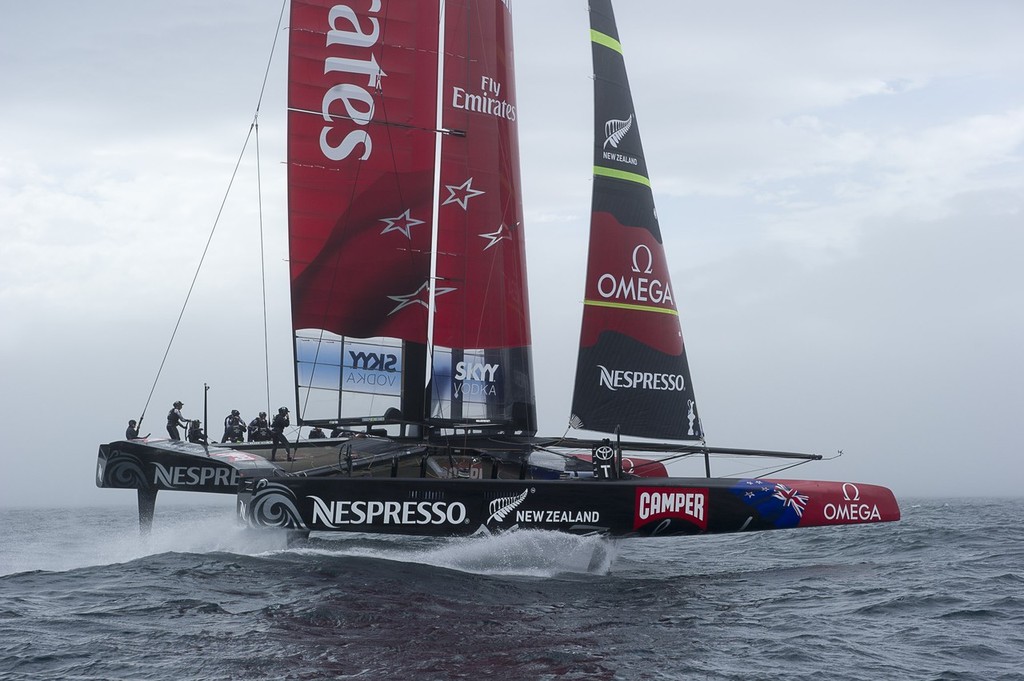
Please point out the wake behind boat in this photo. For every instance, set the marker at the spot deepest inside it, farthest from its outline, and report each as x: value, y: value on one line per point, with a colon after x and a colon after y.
x: 410, y: 312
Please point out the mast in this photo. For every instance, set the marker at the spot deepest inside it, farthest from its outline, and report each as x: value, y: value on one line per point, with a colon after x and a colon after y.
x: 632, y: 375
x: 439, y: 124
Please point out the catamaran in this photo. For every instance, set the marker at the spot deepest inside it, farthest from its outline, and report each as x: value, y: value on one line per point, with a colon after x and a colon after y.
x: 410, y: 312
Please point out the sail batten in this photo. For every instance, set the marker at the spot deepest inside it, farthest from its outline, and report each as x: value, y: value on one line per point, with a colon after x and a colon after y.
x: 632, y: 376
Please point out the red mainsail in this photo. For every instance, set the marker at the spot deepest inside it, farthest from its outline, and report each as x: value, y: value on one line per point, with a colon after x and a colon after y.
x: 481, y: 249
x: 362, y: 102
x: 368, y: 182
x: 482, y: 363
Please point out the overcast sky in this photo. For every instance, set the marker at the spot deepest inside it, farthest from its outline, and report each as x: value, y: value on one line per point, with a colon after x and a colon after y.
x: 839, y: 187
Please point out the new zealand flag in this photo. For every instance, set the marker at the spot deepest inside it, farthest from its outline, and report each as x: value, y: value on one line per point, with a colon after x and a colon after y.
x: 776, y: 504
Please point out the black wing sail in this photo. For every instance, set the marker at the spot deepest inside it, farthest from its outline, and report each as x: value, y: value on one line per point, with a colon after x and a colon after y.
x: 631, y: 374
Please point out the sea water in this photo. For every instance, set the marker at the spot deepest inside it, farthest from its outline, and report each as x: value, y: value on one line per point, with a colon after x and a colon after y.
x: 939, y: 595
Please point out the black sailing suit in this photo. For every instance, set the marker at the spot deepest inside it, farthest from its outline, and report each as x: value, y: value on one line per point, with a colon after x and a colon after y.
x: 175, y: 419
x: 281, y: 421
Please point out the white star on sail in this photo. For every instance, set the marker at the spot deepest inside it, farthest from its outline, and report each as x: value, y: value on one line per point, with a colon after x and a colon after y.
x: 501, y: 233
x: 401, y: 223
x: 418, y: 297
x: 461, y: 194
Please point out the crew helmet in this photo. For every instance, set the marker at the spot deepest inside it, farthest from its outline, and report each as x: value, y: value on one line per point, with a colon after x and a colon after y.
x: 282, y: 410
x: 179, y: 404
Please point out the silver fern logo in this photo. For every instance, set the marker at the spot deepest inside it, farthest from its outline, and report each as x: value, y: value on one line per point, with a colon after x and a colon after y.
x: 501, y: 507
x: 615, y: 130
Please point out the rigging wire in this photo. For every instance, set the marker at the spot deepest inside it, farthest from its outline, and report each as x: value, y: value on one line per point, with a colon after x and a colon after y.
x: 786, y: 468
x: 259, y: 199
x: 263, y: 268
x: 202, y: 258
x: 199, y: 267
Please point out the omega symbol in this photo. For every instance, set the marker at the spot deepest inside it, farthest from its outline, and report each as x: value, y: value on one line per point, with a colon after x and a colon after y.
x: 636, y: 259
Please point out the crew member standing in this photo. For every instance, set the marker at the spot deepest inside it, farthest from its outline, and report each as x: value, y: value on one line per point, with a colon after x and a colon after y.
x: 175, y: 419
x: 281, y: 421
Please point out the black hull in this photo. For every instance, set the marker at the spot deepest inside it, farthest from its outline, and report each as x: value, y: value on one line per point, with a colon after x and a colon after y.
x: 176, y: 466
x: 386, y: 486
x: 643, y: 507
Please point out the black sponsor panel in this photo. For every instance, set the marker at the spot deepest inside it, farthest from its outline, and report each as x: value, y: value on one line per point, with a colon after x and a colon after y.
x: 602, y: 457
x: 671, y: 506
x: 169, y: 465
x: 434, y: 507
x: 704, y: 506
x: 493, y: 390
x: 622, y: 383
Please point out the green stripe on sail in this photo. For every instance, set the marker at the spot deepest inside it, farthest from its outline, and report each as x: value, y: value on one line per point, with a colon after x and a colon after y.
x: 627, y: 306
x: 622, y: 175
x: 606, y: 40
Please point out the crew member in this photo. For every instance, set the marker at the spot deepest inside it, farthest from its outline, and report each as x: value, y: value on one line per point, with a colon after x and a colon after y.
x: 175, y: 419
x: 316, y: 433
x: 234, y: 427
x: 259, y: 428
x: 196, y: 434
x: 281, y: 421
x: 132, y: 432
